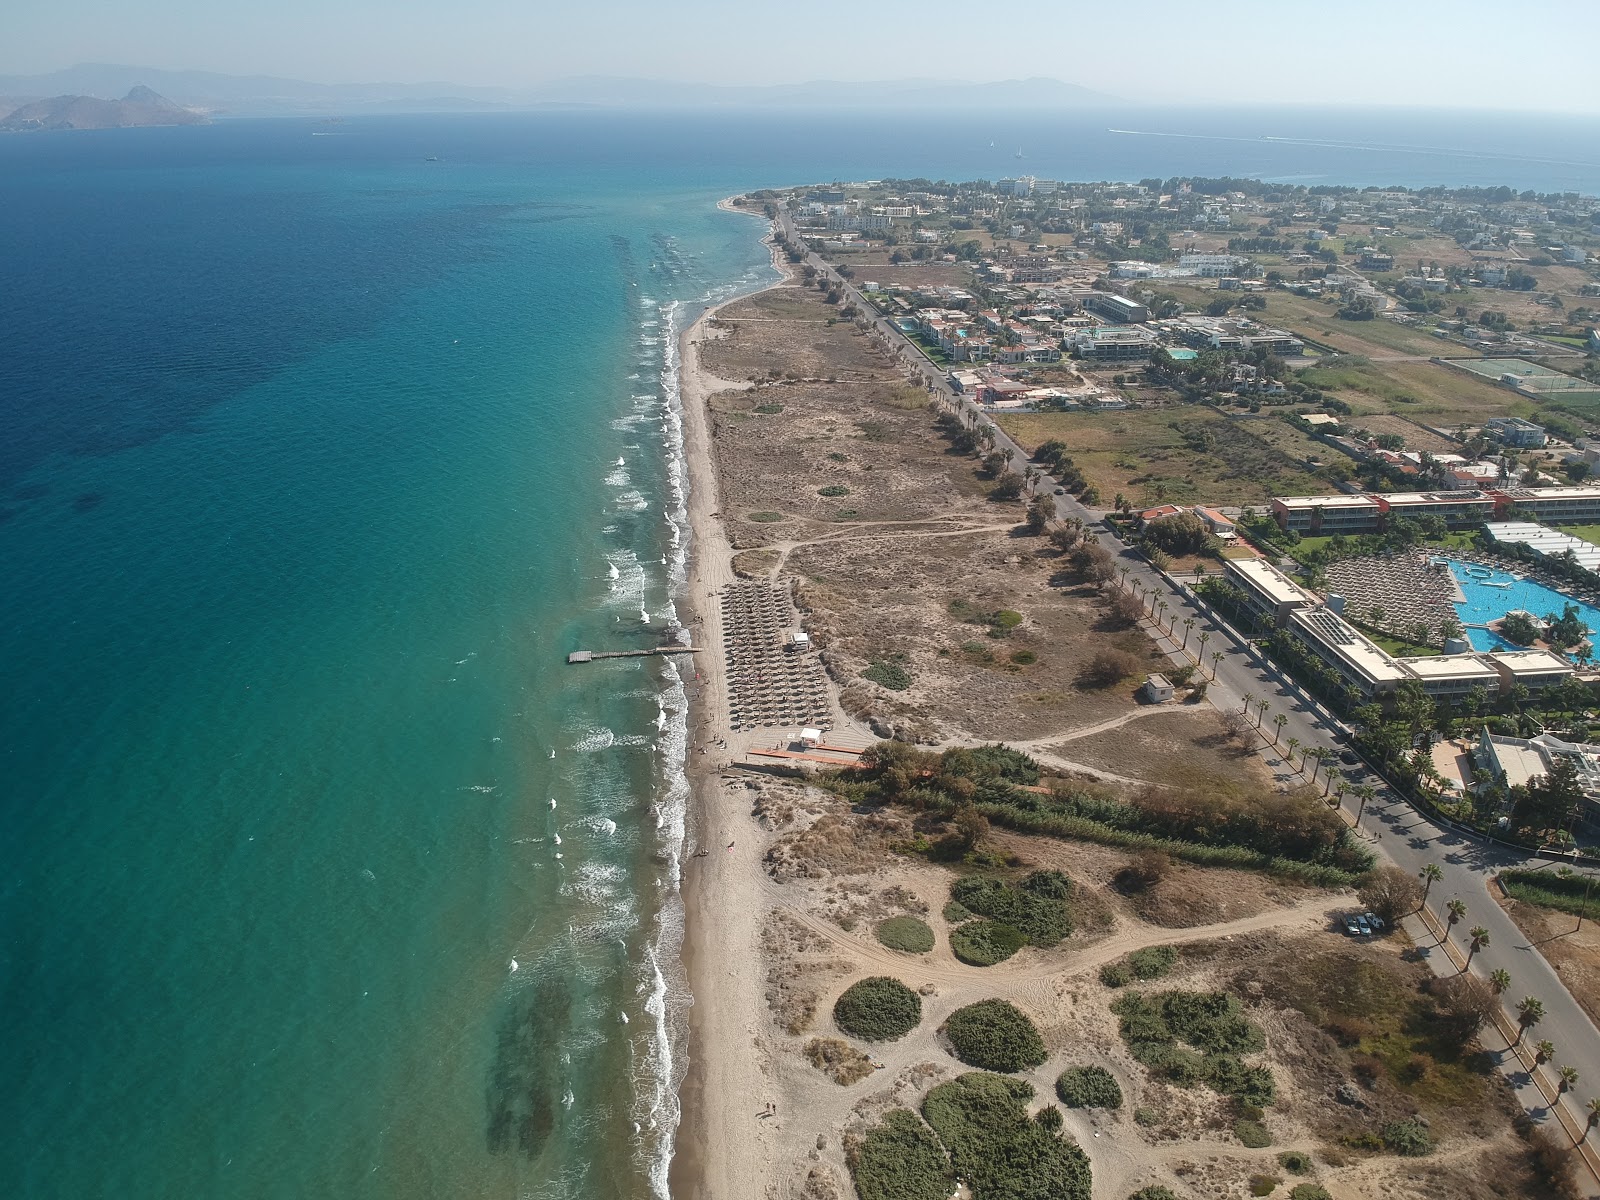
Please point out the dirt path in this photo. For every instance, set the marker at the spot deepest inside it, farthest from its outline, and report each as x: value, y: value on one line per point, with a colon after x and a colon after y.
x: 785, y: 549
x: 940, y: 967
x: 1083, y: 731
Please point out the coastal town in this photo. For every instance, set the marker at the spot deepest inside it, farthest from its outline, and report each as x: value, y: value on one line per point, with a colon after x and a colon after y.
x: 1147, y: 697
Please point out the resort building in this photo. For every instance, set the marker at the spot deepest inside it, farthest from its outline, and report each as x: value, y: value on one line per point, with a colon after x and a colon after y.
x: 1371, y: 512
x: 1359, y: 660
x: 1532, y: 669
x: 1552, y: 505
x: 1268, y: 592
x: 1517, y: 762
x: 1117, y: 308
x: 1327, y: 514
x: 1361, y: 663
x: 1453, y: 675
x: 1114, y: 344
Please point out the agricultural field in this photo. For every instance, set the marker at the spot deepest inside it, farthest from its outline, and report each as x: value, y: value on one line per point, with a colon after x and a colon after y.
x: 1188, y: 455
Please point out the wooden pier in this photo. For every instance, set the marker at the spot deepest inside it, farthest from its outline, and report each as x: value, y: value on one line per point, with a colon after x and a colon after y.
x: 583, y: 656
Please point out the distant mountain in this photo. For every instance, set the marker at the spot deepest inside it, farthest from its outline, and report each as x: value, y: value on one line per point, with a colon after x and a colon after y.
x: 263, y: 95
x: 140, y: 106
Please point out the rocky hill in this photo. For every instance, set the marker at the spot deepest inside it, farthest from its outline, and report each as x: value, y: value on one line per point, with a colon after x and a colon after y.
x: 140, y: 106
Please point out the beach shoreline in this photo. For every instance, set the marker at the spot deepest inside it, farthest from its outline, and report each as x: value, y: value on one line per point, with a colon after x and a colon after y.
x: 722, y: 1086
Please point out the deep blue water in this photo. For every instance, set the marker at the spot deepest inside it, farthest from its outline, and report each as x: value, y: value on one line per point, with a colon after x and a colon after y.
x: 308, y: 481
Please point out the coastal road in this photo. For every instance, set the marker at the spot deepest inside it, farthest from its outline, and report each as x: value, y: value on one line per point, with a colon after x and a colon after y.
x: 1395, y: 830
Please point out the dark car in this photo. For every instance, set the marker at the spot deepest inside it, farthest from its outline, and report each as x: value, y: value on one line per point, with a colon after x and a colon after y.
x: 1349, y: 757
x: 1061, y: 491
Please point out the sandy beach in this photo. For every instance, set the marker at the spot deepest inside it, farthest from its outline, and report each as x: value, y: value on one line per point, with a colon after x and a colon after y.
x: 723, y: 1149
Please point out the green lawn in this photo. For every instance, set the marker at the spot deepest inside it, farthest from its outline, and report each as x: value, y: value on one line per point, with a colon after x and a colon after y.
x: 1589, y: 533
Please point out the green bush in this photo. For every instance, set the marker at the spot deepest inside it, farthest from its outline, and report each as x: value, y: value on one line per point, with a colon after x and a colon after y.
x: 890, y: 674
x: 983, y: 1121
x: 955, y: 913
x: 1309, y: 1191
x: 1161, y: 1029
x: 1252, y: 1133
x: 1147, y: 1117
x: 1410, y: 1138
x: 765, y: 518
x: 1154, y: 1192
x: 1571, y: 894
x: 1024, y: 658
x: 906, y: 933
x: 1116, y: 974
x: 1153, y: 961
x: 1088, y: 1087
x: 1264, y: 1185
x: 994, y: 1035
x: 833, y: 489
x: 1294, y: 1162
x: 1036, y: 906
x: 901, y: 1160
x: 984, y: 943
x: 878, y: 1009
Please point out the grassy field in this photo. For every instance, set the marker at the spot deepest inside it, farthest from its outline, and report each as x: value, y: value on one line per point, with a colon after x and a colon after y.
x: 1186, y: 455
x: 1315, y: 319
x: 1419, y: 391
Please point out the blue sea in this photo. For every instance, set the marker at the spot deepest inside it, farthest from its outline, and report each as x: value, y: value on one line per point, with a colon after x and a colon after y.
x: 321, y: 444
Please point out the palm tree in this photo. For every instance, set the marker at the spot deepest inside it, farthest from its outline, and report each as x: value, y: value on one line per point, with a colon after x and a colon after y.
x: 1339, y: 790
x: 1594, y: 1116
x: 1294, y: 744
x: 1366, y: 792
x: 1568, y: 1076
x: 1430, y: 874
x: 1480, y: 939
x: 1280, y: 721
x: 1500, y: 981
x: 1188, y: 624
x: 1530, y: 1011
x: 1261, y: 712
x: 1216, y: 660
x: 1455, y: 910
x: 1544, y: 1051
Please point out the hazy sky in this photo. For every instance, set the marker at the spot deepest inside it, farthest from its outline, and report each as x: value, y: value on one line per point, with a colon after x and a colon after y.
x: 1539, y: 54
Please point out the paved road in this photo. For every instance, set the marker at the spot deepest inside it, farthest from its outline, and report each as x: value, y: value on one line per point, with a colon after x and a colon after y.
x: 1395, y: 830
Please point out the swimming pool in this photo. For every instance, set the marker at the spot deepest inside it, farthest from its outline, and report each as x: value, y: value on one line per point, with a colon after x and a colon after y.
x: 1491, y: 594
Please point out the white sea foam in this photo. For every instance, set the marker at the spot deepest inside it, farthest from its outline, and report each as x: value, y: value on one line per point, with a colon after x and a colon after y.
x: 595, y: 739
x: 618, y: 478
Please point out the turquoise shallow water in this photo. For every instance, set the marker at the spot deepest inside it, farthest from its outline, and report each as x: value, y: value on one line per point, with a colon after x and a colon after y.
x: 1491, y: 594
x: 308, y: 481
x: 289, y: 643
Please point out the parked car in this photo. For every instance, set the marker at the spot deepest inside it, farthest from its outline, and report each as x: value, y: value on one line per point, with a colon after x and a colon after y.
x: 1349, y: 757
x: 1351, y: 928
x: 1361, y: 924
x: 1378, y: 924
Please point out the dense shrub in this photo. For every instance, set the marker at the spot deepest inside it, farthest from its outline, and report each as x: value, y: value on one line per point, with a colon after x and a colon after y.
x: 1036, y: 906
x: 1252, y: 1133
x: 1154, y: 1192
x: 1116, y: 974
x: 878, y: 1009
x: 1157, y: 1027
x: 1409, y: 1138
x: 1152, y: 962
x: 1295, y: 1162
x: 1147, y: 1117
x: 994, y: 1035
x: 984, y: 943
x: 1264, y: 1185
x: 888, y: 674
x: 906, y: 933
x: 1572, y: 894
x: 957, y: 913
x: 1088, y: 1087
x: 1309, y: 1191
x: 1002, y: 1155
x: 901, y: 1160
x: 833, y: 489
